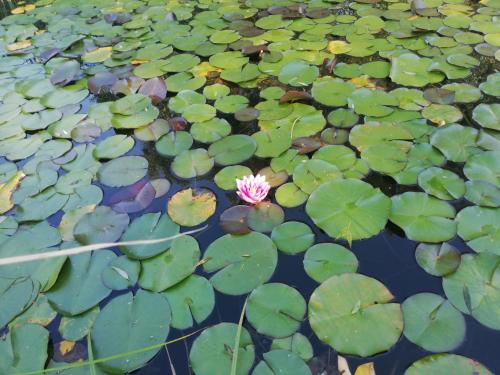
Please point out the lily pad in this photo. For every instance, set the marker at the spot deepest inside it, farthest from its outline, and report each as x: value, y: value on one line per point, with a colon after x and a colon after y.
x: 473, y: 288
x: 430, y: 321
x: 324, y: 260
x: 265, y: 216
x: 79, y: 286
x: 441, y: 183
x: 437, y: 259
x: 277, y: 361
x: 172, y: 266
x: 480, y: 228
x: 101, y: 225
x: 275, y: 309
x: 128, y: 323
x: 442, y: 364
x: 241, y: 262
x: 353, y: 314
x: 192, y: 163
x: 191, y: 207
x: 123, y: 171
x: 292, y: 237
x: 148, y: 227
x: 349, y: 209
x: 191, y: 300
x: 212, y: 351
x: 423, y: 218
x: 233, y: 149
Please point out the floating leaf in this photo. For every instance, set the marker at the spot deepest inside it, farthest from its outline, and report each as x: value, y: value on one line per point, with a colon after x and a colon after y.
x: 128, y: 323
x: 348, y: 209
x: 432, y: 322
x: 353, y: 314
x: 292, y: 237
x: 437, y: 260
x: 442, y: 364
x: 423, y: 218
x: 324, y: 260
x: 79, y: 287
x: 191, y: 300
x: 191, y: 207
x: 213, y: 350
x: 241, y: 262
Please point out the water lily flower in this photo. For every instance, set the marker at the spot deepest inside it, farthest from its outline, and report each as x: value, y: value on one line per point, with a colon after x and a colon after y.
x: 253, y: 189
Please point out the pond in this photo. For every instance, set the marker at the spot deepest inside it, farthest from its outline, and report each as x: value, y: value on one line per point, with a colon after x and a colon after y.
x: 297, y: 188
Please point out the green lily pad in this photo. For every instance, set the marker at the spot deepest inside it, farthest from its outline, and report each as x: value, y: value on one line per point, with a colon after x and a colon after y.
x: 174, y: 143
x: 16, y: 295
x: 191, y: 300
x: 353, y: 314
x: 210, y: 131
x: 473, y: 288
x: 24, y: 349
x: 123, y: 171
x: 409, y: 69
x: 114, y: 146
x: 482, y: 193
x: 325, y: 260
x: 423, y: 218
x: 101, y: 225
x: 265, y: 216
x: 292, y: 237
x: 226, y: 177
x: 430, y: 321
x: 275, y: 309
x: 437, y: 259
x: 441, y: 183
x: 149, y: 226
x: 290, y: 195
x: 192, y: 163
x: 191, y: 207
x: 443, y: 364
x: 79, y: 286
x: 296, y: 343
x: 128, y: 323
x: 455, y: 141
x: 74, y: 328
x: 233, y: 149
x: 483, y: 167
x: 170, y: 267
x: 332, y: 91
x: 480, y: 228
x: 241, y: 262
x: 277, y: 361
x: 198, y: 112
x: 121, y: 273
x: 298, y: 73
x: 311, y: 174
x: 212, y: 351
x: 487, y: 115
x: 349, y: 209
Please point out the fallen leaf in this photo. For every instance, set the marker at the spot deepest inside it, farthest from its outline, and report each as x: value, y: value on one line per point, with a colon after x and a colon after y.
x: 365, y: 369
x: 343, y: 366
x: 19, y: 45
x: 6, y: 190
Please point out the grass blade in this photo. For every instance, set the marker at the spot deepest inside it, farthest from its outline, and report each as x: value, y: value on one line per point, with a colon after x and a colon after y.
x: 236, y: 347
x: 87, y: 248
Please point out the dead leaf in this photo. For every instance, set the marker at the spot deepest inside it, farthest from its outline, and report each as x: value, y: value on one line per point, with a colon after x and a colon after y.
x: 365, y: 369
x: 343, y: 366
x: 66, y: 346
x: 6, y: 190
x: 19, y: 45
